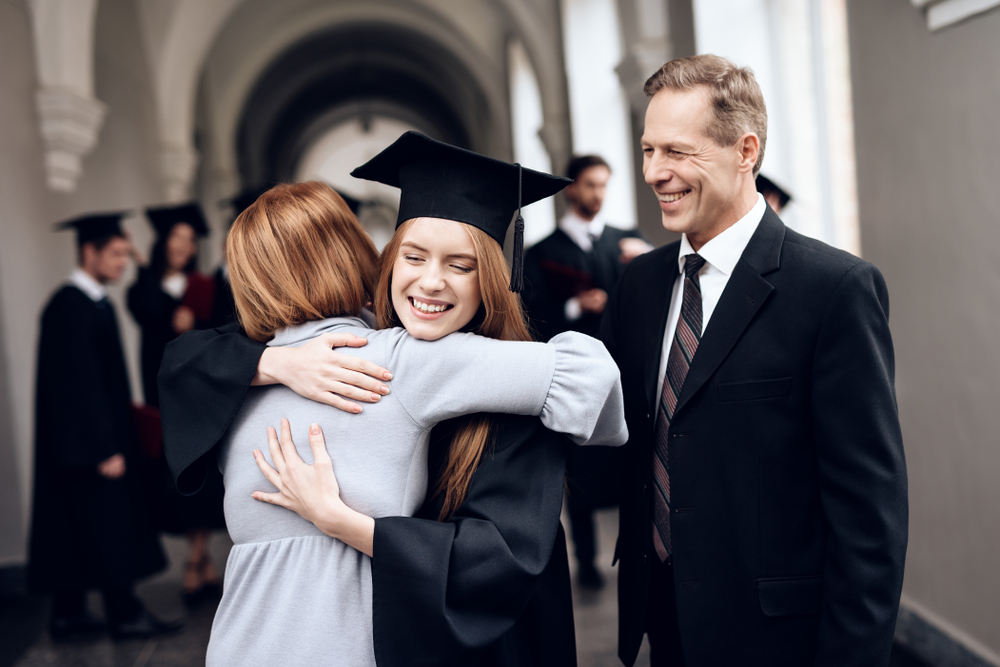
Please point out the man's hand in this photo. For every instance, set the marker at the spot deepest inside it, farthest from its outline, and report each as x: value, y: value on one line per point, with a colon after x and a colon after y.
x: 113, y: 467
x: 318, y: 372
x: 183, y: 319
x: 593, y: 300
x: 631, y: 248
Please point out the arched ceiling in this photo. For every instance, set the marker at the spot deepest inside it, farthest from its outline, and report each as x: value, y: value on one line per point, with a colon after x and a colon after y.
x: 207, y: 57
x: 353, y: 69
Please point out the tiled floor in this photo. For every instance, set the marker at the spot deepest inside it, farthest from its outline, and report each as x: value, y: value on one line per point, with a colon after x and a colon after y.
x: 26, y: 644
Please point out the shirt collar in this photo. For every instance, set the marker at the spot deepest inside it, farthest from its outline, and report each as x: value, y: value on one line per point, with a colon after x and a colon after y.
x: 725, y: 250
x: 88, y: 285
x: 580, y: 230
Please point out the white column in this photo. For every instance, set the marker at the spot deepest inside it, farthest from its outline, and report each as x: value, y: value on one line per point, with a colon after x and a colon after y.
x: 69, y: 115
x: 527, y: 120
x: 599, y: 109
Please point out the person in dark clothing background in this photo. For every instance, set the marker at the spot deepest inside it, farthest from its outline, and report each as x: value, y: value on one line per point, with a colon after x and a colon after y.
x: 168, y: 298
x: 89, y: 527
x: 568, y: 277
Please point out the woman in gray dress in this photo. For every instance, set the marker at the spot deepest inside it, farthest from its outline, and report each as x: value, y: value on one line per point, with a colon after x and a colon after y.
x: 301, y: 267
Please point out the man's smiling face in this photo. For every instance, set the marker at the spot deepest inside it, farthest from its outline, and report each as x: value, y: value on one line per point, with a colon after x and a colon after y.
x: 696, y: 180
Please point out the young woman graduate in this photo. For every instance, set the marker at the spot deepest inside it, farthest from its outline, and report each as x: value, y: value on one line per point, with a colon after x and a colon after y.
x: 490, y: 584
x: 168, y: 298
x: 301, y: 266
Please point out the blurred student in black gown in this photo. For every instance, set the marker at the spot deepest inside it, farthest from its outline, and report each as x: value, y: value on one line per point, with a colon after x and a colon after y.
x: 168, y: 298
x: 89, y: 526
x: 568, y: 276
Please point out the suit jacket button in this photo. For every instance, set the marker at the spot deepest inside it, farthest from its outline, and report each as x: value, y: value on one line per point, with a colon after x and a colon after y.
x: 645, y: 559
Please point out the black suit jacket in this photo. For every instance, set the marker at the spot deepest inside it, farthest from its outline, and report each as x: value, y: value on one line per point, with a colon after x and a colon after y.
x: 788, y: 483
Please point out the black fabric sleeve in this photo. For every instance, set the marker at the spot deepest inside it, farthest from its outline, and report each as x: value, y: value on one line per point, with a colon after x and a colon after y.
x: 443, y: 589
x: 203, y: 380
x: 862, y: 473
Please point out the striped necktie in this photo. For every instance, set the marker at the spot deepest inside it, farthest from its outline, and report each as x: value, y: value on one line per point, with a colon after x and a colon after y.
x: 682, y: 350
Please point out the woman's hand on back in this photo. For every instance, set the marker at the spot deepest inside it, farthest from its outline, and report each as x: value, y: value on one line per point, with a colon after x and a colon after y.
x: 312, y: 491
x: 318, y: 372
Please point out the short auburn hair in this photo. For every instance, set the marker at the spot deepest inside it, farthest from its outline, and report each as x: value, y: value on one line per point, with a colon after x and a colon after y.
x: 735, y: 97
x: 298, y: 254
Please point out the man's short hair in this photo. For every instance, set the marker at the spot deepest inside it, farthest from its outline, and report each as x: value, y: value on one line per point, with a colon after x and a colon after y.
x: 580, y: 163
x: 735, y: 97
x: 99, y: 244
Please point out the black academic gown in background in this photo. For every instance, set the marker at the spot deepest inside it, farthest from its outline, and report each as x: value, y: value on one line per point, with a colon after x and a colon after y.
x: 87, y: 531
x: 557, y: 269
x: 489, y: 587
x: 153, y: 310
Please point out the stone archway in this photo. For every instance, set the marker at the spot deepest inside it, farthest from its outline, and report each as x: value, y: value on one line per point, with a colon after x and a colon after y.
x: 357, y: 69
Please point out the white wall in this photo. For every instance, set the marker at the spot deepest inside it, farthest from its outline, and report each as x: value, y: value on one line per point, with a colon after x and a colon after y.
x: 927, y: 143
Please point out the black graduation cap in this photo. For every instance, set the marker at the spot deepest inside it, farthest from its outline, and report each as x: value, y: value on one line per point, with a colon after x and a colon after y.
x: 765, y: 185
x: 95, y: 226
x: 165, y: 217
x: 438, y: 180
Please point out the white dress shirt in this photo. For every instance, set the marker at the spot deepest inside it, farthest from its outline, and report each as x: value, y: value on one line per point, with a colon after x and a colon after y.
x: 88, y: 285
x: 721, y: 255
x: 581, y: 232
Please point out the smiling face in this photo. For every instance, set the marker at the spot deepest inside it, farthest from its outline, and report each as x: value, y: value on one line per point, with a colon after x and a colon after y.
x: 181, y: 246
x: 435, y: 278
x: 703, y: 188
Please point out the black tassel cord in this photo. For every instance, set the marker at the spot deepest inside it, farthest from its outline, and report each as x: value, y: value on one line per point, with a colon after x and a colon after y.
x: 517, y: 256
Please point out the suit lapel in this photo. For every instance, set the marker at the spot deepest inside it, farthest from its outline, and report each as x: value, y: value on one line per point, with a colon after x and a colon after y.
x: 658, y: 293
x: 745, y: 294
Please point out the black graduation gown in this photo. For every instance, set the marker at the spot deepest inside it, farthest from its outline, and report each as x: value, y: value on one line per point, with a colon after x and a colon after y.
x: 489, y: 587
x: 556, y: 269
x: 87, y: 531
x: 153, y: 309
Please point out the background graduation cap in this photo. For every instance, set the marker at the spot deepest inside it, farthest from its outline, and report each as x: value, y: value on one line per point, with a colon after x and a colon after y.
x: 438, y: 180
x: 95, y: 226
x: 766, y: 186
x: 164, y: 218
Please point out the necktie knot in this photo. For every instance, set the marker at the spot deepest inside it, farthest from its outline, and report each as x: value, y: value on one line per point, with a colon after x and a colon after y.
x: 693, y: 264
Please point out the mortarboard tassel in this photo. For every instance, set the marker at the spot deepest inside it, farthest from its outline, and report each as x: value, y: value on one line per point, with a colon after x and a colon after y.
x: 517, y: 255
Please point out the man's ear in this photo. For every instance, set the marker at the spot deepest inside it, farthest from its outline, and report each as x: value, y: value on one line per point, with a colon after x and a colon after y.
x: 749, y: 148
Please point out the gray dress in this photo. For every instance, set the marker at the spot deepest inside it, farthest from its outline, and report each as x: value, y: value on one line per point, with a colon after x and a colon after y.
x: 294, y: 596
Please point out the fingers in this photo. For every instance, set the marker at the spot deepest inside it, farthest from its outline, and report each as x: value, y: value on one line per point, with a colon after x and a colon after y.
x: 349, y: 389
x: 318, y: 444
x: 269, y: 473
x: 337, y: 402
x: 344, y: 340
x: 271, y: 498
x: 288, y: 451
x: 275, y: 449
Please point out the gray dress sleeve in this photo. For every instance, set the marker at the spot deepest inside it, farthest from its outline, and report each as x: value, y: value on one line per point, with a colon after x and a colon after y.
x: 571, y: 382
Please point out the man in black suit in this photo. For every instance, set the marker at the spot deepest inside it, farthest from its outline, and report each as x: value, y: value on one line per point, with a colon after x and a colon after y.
x: 568, y: 276
x: 763, y: 511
